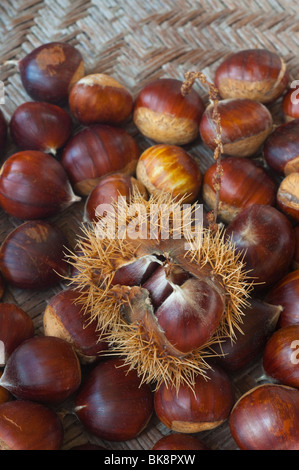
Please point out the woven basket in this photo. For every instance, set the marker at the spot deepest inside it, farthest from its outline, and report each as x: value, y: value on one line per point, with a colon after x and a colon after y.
x: 137, y: 41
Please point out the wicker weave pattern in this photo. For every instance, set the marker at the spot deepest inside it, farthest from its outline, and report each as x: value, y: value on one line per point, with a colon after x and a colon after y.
x: 137, y: 41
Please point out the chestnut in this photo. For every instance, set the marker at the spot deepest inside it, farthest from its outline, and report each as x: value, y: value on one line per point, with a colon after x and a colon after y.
x: 266, y: 239
x: 32, y: 256
x: 112, y: 403
x: 290, y: 104
x: 100, y: 98
x: 286, y: 293
x: 43, y: 369
x: 65, y: 318
x: 3, y: 132
x: 280, y: 358
x: 245, y: 125
x: 281, y: 148
x: 256, y: 74
x: 288, y: 196
x: 49, y: 71
x: 97, y: 151
x: 163, y: 114
x: 179, y: 441
x: 259, y: 320
x: 108, y: 190
x: 5, y: 395
x: 172, y: 169
x: 266, y: 418
x: 15, y: 327
x: 33, y: 185
x: 204, y: 406
x: 40, y: 126
x: 26, y: 425
x: 243, y: 183
x: 2, y: 286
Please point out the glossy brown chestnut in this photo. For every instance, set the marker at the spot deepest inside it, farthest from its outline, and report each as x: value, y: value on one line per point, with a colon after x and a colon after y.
x: 164, y: 115
x: 245, y: 126
x: 203, y: 407
x: 33, y: 185
x: 286, y: 294
x: 256, y: 74
x: 64, y: 317
x: 49, y: 72
x: 15, y: 327
x: 258, y: 323
x: 26, y: 425
x: 288, y: 196
x: 266, y: 418
x: 5, y: 395
x: 2, y: 286
x: 281, y: 148
x: 108, y: 190
x: 112, y: 403
x: 290, y: 104
x: 40, y: 126
x: 100, y: 98
x: 43, y: 369
x: 3, y: 132
x: 243, y: 183
x: 97, y: 151
x: 179, y: 441
x: 170, y: 168
x: 266, y: 238
x: 281, y: 356
x: 32, y: 256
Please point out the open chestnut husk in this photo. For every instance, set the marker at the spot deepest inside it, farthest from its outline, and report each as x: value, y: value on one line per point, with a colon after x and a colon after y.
x: 281, y: 148
x: 286, y: 293
x: 112, y: 403
x: 43, y: 369
x: 243, y: 183
x: 50, y: 70
x: 163, y: 114
x: 154, y: 280
x: 280, y: 358
x: 32, y: 256
x: 256, y: 74
x: 100, y: 98
x: 205, y: 407
x: 65, y: 318
x: 34, y: 185
x: 245, y: 126
x: 259, y: 322
x: 170, y: 168
x: 266, y: 418
x: 26, y: 425
x: 40, y: 126
x: 15, y: 327
x: 266, y: 238
x: 97, y: 151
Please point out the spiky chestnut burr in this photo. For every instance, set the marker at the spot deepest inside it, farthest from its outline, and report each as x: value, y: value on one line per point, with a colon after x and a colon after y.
x: 201, y: 297
x: 163, y: 301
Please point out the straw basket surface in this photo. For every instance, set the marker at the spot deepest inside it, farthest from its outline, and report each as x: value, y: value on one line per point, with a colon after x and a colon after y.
x: 136, y: 41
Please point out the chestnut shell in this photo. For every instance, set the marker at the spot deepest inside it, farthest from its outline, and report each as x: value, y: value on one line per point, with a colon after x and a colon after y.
x: 48, y: 72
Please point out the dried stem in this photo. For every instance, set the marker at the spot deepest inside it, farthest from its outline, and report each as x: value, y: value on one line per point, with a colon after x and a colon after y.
x: 190, y: 78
